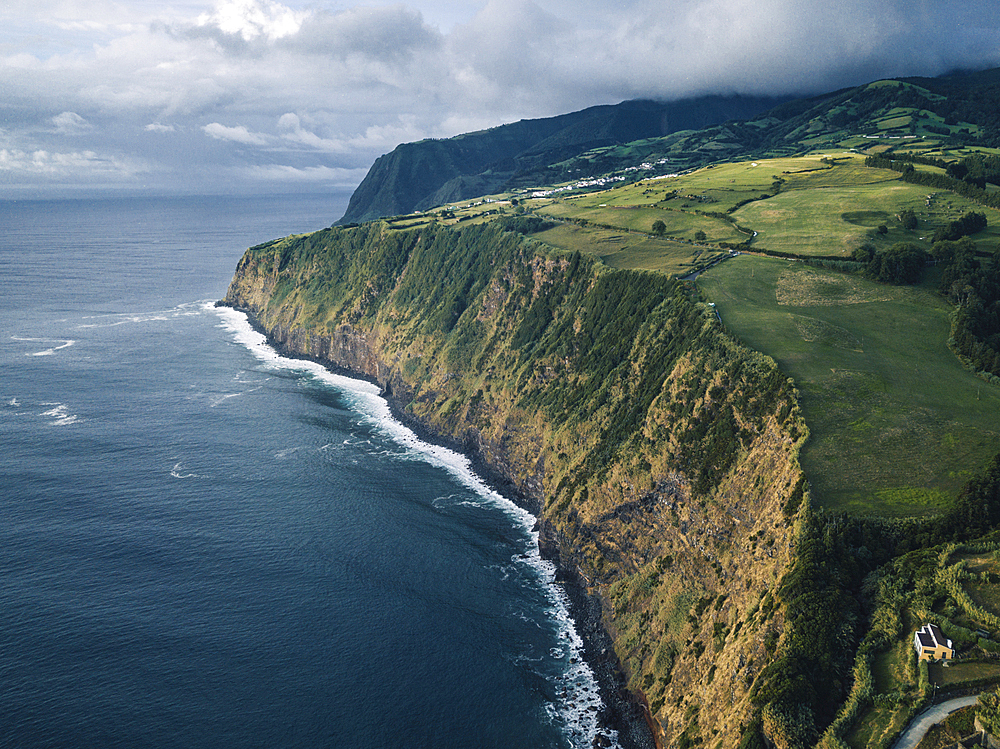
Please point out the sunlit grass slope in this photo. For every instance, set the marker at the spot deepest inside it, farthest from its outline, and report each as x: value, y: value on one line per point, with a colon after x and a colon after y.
x: 820, y: 204
x: 897, y: 424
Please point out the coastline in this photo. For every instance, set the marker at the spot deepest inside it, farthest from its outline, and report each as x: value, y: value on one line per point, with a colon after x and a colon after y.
x: 623, y: 712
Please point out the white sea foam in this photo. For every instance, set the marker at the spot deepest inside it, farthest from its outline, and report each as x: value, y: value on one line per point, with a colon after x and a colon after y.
x: 60, y: 415
x: 177, y: 473
x: 223, y: 398
x: 576, y: 711
x: 187, y: 309
x: 63, y: 343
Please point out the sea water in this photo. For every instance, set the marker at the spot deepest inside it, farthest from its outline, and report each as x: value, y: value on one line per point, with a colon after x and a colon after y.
x: 206, y: 544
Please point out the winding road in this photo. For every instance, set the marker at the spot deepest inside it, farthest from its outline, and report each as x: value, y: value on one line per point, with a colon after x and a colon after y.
x: 934, y: 714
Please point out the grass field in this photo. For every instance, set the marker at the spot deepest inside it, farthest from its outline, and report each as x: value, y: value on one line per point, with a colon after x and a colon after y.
x: 620, y: 249
x: 829, y: 204
x: 897, y: 424
x: 831, y: 211
x: 875, y: 726
x: 984, y: 594
x: 957, y: 672
x: 893, y: 671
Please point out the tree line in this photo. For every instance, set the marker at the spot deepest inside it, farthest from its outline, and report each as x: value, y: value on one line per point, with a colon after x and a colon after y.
x: 903, y: 163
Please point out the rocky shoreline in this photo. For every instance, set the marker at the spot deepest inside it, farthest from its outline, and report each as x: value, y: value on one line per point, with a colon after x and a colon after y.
x: 623, y: 712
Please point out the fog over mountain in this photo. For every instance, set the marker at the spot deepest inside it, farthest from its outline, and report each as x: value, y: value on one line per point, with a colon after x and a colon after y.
x: 192, y: 96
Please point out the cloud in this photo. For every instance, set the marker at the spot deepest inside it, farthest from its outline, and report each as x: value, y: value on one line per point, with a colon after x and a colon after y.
x: 329, y: 176
x: 70, y: 123
x: 290, y: 127
x: 237, y: 134
x: 325, y: 88
x: 76, y: 164
x: 392, y: 35
x: 253, y: 19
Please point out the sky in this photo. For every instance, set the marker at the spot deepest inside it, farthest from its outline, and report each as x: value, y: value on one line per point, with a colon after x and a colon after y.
x: 269, y: 96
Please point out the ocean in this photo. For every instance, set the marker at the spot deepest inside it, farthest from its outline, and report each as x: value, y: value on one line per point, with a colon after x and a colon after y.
x: 206, y: 544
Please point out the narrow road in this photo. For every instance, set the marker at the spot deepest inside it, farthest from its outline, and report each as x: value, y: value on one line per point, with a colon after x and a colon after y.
x: 934, y: 714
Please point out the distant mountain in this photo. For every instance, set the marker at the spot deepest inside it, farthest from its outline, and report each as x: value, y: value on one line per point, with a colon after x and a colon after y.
x: 956, y: 109
x: 421, y: 175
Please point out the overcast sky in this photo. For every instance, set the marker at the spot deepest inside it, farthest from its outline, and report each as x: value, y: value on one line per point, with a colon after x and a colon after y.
x: 216, y: 96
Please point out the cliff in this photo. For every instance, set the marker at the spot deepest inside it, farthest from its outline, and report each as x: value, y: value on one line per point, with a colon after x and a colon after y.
x: 659, y: 453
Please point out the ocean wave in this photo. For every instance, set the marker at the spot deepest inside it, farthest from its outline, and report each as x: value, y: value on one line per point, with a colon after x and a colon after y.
x: 111, y: 320
x: 176, y: 472
x: 578, y: 707
x: 63, y: 343
x: 60, y: 414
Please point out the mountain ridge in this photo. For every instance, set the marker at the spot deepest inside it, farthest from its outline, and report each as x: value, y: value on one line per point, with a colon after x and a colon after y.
x: 420, y: 175
x: 417, y: 176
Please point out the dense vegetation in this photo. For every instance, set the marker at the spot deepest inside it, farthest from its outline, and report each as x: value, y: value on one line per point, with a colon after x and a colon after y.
x: 631, y: 368
x: 585, y: 327
x: 972, y: 283
x: 903, y: 263
x: 612, y: 397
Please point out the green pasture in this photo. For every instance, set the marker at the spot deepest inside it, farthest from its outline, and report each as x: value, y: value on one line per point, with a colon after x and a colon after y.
x: 979, y: 562
x: 876, y: 725
x: 897, y: 424
x: 829, y: 204
x: 679, y: 224
x: 752, y: 176
x: 620, y: 249
x: 831, y: 221
x: 957, y: 673
x: 831, y: 212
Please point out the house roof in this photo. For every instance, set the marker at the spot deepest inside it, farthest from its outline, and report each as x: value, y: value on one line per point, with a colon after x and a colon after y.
x: 931, y: 636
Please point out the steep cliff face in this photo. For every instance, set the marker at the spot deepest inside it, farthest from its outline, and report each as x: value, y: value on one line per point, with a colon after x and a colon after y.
x: 661, y: 454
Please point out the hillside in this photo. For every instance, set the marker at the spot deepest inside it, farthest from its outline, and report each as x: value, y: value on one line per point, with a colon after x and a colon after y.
x: 949, y: 112
x: 417, y: 176
x: 880, y: 385
x: 660, y: 454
